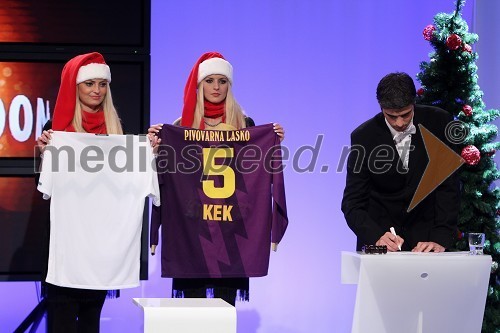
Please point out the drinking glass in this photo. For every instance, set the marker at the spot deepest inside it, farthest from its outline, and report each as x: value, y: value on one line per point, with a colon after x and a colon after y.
x: 476, y: 243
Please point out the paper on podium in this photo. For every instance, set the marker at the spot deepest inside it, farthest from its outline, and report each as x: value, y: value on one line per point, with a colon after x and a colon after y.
x: 417, y: 292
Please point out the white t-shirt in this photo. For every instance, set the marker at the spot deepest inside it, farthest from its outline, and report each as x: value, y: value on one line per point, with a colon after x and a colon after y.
x: 97, y: 185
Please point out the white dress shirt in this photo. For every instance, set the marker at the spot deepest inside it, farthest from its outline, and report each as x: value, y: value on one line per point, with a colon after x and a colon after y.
x: 402, y: 140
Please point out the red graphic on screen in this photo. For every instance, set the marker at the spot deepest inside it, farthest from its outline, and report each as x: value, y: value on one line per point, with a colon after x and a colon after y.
x: 66, y: 22
x: 27, y: 96
x: 17, y: 23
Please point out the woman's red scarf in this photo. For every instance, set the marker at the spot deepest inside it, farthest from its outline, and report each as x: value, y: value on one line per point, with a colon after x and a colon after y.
x: 214, y: 111
x: 92, y: 122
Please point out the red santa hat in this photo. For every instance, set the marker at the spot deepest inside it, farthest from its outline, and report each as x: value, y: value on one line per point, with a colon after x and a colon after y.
x: 209, y: 63
x: 79, y: 69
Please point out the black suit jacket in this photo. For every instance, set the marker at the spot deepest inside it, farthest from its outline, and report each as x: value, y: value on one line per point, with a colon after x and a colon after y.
x: 378, y: 190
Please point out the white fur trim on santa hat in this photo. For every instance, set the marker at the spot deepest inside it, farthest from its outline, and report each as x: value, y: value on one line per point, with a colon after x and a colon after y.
x: 215, y: 66
x: 93, y: 71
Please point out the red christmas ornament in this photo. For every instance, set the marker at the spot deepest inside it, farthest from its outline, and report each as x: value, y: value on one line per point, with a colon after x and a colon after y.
x: 460, y: 235
x: 471, y: 155
x: 428, y: 32
x: 420, y: 91
x: 453, y: 41
x: 467, y: 109
x: 491, y: 153
x: 467, y: 48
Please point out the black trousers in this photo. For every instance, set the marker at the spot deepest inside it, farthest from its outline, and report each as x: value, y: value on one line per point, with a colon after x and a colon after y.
x: 71, y: 310
x: 227, y: 289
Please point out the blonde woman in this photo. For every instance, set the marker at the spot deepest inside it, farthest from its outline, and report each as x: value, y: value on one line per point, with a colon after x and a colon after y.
x: 84, y: 104
x: 209, y: 103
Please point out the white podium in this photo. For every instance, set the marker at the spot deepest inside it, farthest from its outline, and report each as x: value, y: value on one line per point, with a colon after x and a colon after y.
x: 417, y: 292
x: 187, y: 315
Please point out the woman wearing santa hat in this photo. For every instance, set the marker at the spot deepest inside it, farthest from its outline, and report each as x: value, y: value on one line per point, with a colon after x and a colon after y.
x: 209, y: 103
x: 83, y: 104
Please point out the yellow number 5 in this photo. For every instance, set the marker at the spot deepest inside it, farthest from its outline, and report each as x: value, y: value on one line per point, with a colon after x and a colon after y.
x: 212, y: 169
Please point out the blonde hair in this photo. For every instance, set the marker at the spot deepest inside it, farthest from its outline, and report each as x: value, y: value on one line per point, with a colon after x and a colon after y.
x: 111, y: 119
x: 234, y: 113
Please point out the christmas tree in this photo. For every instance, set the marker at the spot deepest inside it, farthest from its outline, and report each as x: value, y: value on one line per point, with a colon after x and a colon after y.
x: 449, y: 81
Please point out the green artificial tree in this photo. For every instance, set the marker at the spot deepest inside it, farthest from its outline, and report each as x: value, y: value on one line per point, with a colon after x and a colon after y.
x: 449, y: 81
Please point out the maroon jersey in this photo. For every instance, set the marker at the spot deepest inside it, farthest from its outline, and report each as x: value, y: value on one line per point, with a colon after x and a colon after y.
x: 222, y: 201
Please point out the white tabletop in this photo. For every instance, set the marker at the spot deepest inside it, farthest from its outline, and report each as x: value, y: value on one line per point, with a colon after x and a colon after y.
x: 181, y: 302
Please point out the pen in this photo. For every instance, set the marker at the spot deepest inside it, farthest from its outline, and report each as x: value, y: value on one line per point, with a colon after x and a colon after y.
x: 394, y: 233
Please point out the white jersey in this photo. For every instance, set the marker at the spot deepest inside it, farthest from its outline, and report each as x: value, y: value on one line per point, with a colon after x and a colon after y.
x: 97, y: 185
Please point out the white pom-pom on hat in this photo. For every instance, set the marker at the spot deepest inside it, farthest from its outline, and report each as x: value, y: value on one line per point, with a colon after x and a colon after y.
x: 93, y: 71
x: 215, y: 66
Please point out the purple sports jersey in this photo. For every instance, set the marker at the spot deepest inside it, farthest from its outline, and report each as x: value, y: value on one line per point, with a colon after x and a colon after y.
x: 222, y: 201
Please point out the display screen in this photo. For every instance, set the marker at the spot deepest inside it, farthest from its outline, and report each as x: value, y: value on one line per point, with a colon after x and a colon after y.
x: 64, y: 24
x: 37, y: 37
x: 24, y: 226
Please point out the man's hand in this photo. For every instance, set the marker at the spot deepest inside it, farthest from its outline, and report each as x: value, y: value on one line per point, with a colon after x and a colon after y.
x: 390, y: 241
x: 428, y: 247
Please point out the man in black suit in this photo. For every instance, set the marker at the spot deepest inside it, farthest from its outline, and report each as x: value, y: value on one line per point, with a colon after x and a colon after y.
x: 384, y: 168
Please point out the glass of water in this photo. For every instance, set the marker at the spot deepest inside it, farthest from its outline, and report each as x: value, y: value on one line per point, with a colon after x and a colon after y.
x: 476, y: 243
